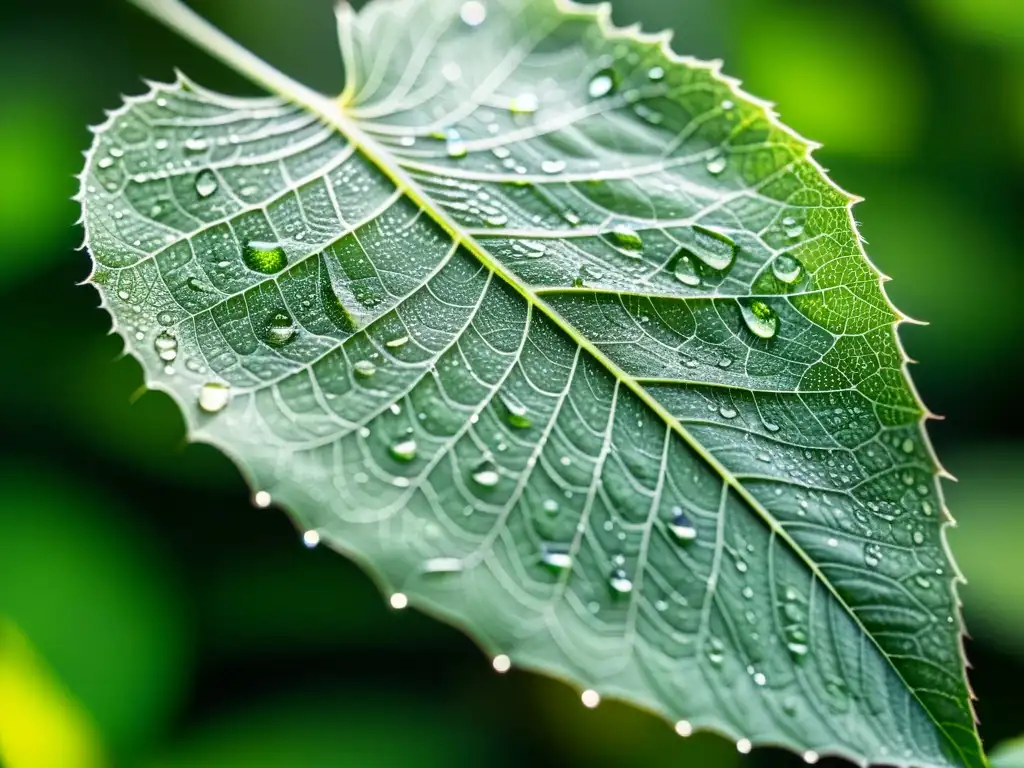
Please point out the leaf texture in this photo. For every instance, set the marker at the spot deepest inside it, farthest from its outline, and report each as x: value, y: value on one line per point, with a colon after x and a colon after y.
x: 567, y: 341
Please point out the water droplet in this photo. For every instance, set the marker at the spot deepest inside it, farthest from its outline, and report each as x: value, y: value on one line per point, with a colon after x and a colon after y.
x: 280, y: 329
x: 908, y: 446
x: 365, y: 368
x: 760, y: 679
x: 918, y: 537
x: 398, y: 343
x: 454, y: 144
x: 551, y: 506
x: 743, y: 746
x: 590, y: 698
x: 792, y: 227
x: 166, y: 346
x: 760, y: 319
x: 106, y: 162
x: 262, y: 499
x: 714, y: 248
x: 214, y: 397
x: 196, y: 144
x: 451, y: 72
x: 556, y: 557
x: 553, y: 166
x: 811, y: 757
x: 717, y: 163
x: 656, y: 74
x: 404, y: 450
x: 684, y: 269
x: 620, y: 582
x: 501, y: 663
x: 786, y: 268
x: 684, y: 728
x: 601, y: 84
x: 486, y: 474
x: 626, y: 238
x: 515, y: 412
x: 524, y: 104
x: 725, y: 362
x: 443, y: 565
x: 311, y: 539
x: 399, y: 601
x: 473, y: 13
x: 263, y: 257
x: 715, y: 651
x: 727, y: 412
x: 681, y: 527
x: 206, y: 183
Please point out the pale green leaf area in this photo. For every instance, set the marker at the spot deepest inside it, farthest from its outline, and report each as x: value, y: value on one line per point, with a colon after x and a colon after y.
x: 1009, y: 755
x: 836, y: 67
x: 992, y: 22
x: 568, y: 342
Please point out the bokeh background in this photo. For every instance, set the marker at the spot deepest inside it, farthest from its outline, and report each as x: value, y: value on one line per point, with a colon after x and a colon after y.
x: 151, y: 616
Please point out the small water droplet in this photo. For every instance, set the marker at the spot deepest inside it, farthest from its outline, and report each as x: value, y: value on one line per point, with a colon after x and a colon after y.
x: 164, y: 318
x: 280, y: 329
x: 556, y: 557
x: 399, y: 601
x: 473, y: 13
x: 524, y: 104
x: 760, y: 319
x: 206, y: 183
x: 601, y: 84
x: 262, y: 499
x: 311, y: 539
x: 196, y: 144
x: 553, y: 166
x: 715, y: 651
x: 717, y: 163
x: 551, y: 506
x: 786, y: 268
x: 656, y: 74
x: 501, y: 663
x: 486, y: 474
x: 792, y: 227
x: 743, y: 746
x: 454, y: 144
x: 365, y: 368
x: 725, y: 362
x: 684, y: 269
x: 398, y: 343
x: 106, y: 162
x: 626, y: 238
x: 166, y: 345
x: 264, y: 257
x: 918, y: 537
x: 908, y: 445
x: 590, y: 698
x: 727, y: 412
x: 684, y: 728
x: 620, y: 582
x: 214, y: 397
x: 681, y: 527
x: 451, y: 72
x: 404, y: 449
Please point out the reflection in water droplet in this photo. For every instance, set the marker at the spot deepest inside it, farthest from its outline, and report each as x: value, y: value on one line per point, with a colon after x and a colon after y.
x: 684, y: 269
x: 365, y: 368
x: 556, y: 557
x: 760, y: 319
x: 473, y: 13
x: 486, y: 474
x: 602, y: 84
x: 792, y: 227
x: 786, y: 268
x: 908, y: 446
x: 681, y: 526
x: 620, y: 582
x: 206, y: 183
x: 166, y: 346
x: 264, y: 257
x: 404, y: 450
x: 626, y: 238
x: 214, y: 397
x: 280, y: 329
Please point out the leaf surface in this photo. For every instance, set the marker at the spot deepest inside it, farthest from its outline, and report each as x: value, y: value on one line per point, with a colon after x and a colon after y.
x: 567, y: 341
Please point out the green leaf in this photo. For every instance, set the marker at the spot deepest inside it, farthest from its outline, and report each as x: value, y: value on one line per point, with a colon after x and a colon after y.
x: 567, y: 341
x: 1009, y: 754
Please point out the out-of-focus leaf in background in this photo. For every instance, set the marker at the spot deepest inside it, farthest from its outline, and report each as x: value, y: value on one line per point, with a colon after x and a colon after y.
x: 999, y: 22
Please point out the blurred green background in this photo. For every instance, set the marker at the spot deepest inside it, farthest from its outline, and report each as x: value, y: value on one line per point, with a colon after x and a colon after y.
x: 150, y: 616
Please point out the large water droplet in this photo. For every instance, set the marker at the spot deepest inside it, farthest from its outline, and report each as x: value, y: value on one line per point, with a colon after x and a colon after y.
x: 214, y: 397
x: 264, y: 257
x: 601, y: 84
x: 714, y: 248
x: 681, y: 527
x: 556, y: 557
x: 166, y: 346
x: 280, y: 329
x: 365, y: 368
x: 486, y: 474
x: 206, y: 183
x: 473, y: 13
x: 626, y: 238
x: 620, y: 582
x: 684, y: 269
x: 760, y: 319
x: 404, y: 449
x: 786, y: 268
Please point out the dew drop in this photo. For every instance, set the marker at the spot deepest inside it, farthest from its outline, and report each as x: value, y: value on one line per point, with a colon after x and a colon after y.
x: 918, y: 537
x: 743, y: 746
x: 454, y: 144
x: 264, y: 257
x: 908, y: 446
x: 280, y: 329
x: 311, y: 539
x: 166, y: 346
x: 206, y: 183
x: 792, y: 227
x: 214, y: 397
x: 403, y: 450
x: 556, y: 557
x: 626, y: 238
x: 760, y: 679
x: 550, y: 506
x: 760, y: 319
x: 365, y: 368
x: 684, y: 728
x: 717, y: 164
x: 620, y: 582
x: 486, y: 474
x: 398, y: 343
x: 515, y: 412
x: 196, y: 144
x: 473, y: 13
x: 715, y: 651
x: 443, y: 565
x: 656, y: 74
x: 590, y: 698
x: 684, y: 269
x: 682, y: 527
x: 501, y: 663
x: 811, y: 757
x: 601, y: 84
x: 399, y: 601
x: 165, y: 318
x: 553, y: 166
x: 786, y: 268
x: 727, y: 413
x: 524, y: 104
x: 106, y: 162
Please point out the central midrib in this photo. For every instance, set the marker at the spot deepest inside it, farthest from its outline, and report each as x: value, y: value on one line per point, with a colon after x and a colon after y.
x: 215, y: 42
